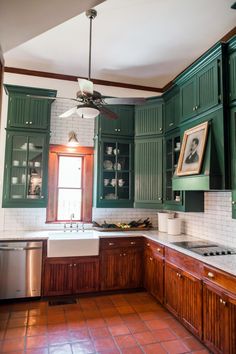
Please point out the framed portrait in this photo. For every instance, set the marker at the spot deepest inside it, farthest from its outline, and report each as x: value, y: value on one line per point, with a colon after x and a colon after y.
x: 192, y: 150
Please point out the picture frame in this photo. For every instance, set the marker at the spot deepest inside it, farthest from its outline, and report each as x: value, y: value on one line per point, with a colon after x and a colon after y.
x: 192, y: 150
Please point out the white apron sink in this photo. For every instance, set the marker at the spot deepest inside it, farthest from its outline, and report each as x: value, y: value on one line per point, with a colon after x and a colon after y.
x: 72, y: 244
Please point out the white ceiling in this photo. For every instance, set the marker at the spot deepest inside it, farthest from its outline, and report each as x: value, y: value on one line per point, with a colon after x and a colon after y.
x: 143, y: 42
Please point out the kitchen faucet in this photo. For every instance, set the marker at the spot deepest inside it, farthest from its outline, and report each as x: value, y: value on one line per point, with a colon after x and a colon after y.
x: 71, y: 218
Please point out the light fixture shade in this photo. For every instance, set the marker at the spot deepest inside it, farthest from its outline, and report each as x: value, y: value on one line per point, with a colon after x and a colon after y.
x: 88, y: 111
x: 73, y: 141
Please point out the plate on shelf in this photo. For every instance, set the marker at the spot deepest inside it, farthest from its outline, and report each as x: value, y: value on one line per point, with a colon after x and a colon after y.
x: 108, y: 165
x: 17, y: 196
x: 176, y: 149
x: 110, y: 196
x: 117, y: 166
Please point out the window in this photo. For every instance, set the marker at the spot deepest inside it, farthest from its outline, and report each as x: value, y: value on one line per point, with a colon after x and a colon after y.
x: 70, y: 183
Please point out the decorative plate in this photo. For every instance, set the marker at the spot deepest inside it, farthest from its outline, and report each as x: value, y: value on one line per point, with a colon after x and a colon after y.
x: 108, y: 165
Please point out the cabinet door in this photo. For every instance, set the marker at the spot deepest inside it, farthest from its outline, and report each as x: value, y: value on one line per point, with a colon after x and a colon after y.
x: 39, y: 113
x: 215, y: 320
x: 111, y: 269
x: 18, y: 111
x: 231, y: 308
x: 85, y: 275
x: 154, y: 275
x: 188, y: 99
x: 232, y: 76
x: 148, y: 172
x: 148, y: 270
x: 233, y: 159
x: 132, y: 268
x: 191, y: 303
x: 148, y: 120
x: 58, y: 278
x: 207, y: 87
x: 123, y: 126
x: 173, y: 289
x: 172, y: 112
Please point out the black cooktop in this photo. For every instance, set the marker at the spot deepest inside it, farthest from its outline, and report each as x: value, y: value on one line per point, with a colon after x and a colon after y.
x: 205, y: 248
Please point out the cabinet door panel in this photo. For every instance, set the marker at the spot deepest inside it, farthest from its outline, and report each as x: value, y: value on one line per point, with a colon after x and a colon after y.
x: 188, y: 99
x: 58, y: 278
x: 38, y: 113
x: 18, y: 111
x: 207, y: 86
x: 232, y: 76
x: 111, y: 269
x: 233, y: 159
x: 191, y: 311
x: 86, y: 276
x: 148, y: 120
x: 123, y: 126
x: 148, y: 171
x: 232, y: 327
x: 132, y: 268
x: 173, y: 291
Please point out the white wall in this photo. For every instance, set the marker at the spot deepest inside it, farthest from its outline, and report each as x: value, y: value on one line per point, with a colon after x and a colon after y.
x: 214, y: 224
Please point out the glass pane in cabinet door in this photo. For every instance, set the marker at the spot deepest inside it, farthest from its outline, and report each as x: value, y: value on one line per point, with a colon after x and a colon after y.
x: 109, y: 185
x: 18, y: 167
x: 123, y: 182
x: 123, y: 157
x: 35, y: 161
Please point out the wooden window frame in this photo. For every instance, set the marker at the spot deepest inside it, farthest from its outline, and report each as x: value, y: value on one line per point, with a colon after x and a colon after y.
x: 55, y: 151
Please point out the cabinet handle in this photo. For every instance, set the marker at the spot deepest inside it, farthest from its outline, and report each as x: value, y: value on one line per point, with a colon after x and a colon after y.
x: 148, y: 244
x: 159, y: 198
x: 116, y: 130
x: 111, y: 243
x: 133, y: 243
x: 223, y: 302
x: 151, y: 259
x: 233, y: 202
x: 194, y: 108
x: 158, y: 250
x: 26, y: 122
x: 30, y: 122
x: 210, y: 275
x: 42, y: 197
x: 101, y: 197
x: 170, y: 125
x: 124, y: 254
x: 160, y: 129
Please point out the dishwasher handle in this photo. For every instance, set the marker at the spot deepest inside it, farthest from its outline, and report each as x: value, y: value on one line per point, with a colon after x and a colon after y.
x: 19, y: 248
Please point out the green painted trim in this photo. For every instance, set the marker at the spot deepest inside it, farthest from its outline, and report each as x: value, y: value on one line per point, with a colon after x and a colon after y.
x: 232, y: 44
x: 13, y: 89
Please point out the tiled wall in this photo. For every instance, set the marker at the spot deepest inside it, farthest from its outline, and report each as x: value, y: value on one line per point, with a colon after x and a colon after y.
x: 214, y: 224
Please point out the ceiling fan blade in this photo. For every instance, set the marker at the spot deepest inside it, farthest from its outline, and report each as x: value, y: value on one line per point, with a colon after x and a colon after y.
x: 86, y: 87
x: 124, y: 100
x: 108, y: 113
x: 54, y: 98
x: 69, y: 112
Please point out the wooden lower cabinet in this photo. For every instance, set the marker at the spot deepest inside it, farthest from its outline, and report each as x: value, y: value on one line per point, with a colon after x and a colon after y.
x: 219, y: 318
x: 183, y: 297
x: 121, y: 268
x: 66, y: 276
x: 154, y: 274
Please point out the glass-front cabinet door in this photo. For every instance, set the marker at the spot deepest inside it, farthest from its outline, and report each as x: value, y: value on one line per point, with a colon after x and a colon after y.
x: 116, y: 173
x: 25, y: 170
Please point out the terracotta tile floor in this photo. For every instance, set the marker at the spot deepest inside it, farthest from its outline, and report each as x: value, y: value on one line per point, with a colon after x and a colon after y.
x: 128, y: 323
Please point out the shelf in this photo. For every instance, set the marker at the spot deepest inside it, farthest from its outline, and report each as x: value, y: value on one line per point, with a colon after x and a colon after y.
x: 18, y: 184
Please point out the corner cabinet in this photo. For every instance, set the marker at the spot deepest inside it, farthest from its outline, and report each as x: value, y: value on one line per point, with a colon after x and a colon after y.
x: 26, y: 149
x: 148, y: 118
x: 114, y: 173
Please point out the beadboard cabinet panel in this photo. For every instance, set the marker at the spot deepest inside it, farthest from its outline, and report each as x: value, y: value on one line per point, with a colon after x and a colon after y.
x: 232, y: 76
x: 148, y: 119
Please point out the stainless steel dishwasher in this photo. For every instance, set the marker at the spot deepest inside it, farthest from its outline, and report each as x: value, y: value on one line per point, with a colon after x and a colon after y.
x: 20, y: 269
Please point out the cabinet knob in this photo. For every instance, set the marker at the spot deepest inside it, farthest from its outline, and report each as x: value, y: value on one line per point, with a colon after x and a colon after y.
x: 151, y: 259
x: 210, y: 275
x: 160, y: 129
x: 148, y: 244
x: 159, y: 198
x: 233, y: 202
x: 30, y: 122
x: 26, y: 122
x: 223, y: 302
x: 101, y: 197
x: 194, y: 108
x: 111, y: 243
x: 74, y: 264
x: 70, y: 265
x: 116, y: 130
x: 120, y: 254
x: 170, y: 125
x: 158, y: 250
x: 42, y: 197
x: 133, y: 243
x: 124, y: 254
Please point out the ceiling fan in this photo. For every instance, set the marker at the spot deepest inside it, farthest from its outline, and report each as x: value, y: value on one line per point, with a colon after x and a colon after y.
x: 90, y: 103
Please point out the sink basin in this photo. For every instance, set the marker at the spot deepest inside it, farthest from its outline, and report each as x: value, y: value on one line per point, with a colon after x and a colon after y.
x: 72, y: 244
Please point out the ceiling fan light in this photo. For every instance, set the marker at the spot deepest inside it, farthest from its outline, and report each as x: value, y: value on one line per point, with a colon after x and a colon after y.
x: 88, y: 111
x: 73, y: 141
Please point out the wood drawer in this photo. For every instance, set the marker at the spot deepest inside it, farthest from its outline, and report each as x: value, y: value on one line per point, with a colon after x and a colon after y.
x: 115, y: 242
x: 224, y: 280
x: 155, y: 247
x: 184, y: 262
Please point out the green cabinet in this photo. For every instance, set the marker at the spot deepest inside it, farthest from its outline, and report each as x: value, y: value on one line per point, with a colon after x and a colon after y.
x: 232, y: 70
x: 148, y: 118
x: 148, y: 172
x: 123, y: 126
x: 26, y: 111
x: 202, y: 91
x: 233, y: 159
x: 25, y: 179
x: 113, y: 173
x: 171, y: 109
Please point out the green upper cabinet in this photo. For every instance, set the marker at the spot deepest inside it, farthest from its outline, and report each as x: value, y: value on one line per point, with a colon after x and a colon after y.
x: 148, y: 118
x: 148, y: 172
x: 201, y: 85
x: 123, y: 126
x: 233, y: 159
x: 113, y: 173
x: 26, y: 111
x: 232, y: 69
x: 25, y: 178
x: 171, y: 109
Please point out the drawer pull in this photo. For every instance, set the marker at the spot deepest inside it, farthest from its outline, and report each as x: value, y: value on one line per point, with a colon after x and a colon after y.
x: 124, y: 254
x: 133, y: 243
x: 74, y: 264
x: 151, y: 259
x: 158, y: 250
x: 70, y: 265
x: 120, y: 254
x: 223, y: 302
x: 148, y: 244
x: 111, y: 243
x: 210, y: 275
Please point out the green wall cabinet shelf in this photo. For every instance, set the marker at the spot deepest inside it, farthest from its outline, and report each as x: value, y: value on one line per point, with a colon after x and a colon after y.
x: 26, y: 111
x: 148, y: 172
x: 113, y: 173
x: 123, y: 126
x: 232, y: 70
x: 233, y: 159
x: 171, y: 109
x: 25, y: 178
x: 148, y: 118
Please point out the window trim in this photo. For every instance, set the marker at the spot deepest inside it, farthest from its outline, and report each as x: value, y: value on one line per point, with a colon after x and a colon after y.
x: 87, y: 180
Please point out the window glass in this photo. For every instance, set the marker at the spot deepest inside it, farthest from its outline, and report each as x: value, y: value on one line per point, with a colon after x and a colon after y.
x: 69, y: 202
x: 70, y: 172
